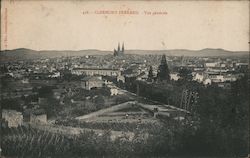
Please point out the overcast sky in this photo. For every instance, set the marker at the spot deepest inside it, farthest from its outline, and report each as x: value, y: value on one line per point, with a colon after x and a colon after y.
x: 60, y: 25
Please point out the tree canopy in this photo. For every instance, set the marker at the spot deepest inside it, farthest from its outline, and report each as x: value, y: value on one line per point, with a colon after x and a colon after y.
x: 163, y: 71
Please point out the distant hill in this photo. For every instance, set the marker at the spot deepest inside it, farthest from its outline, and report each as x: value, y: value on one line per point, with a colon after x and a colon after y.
x: 23, y: 53
x: 179, y: 52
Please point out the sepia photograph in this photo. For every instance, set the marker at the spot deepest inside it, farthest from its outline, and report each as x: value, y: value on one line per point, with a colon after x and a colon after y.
x: 124, y: 79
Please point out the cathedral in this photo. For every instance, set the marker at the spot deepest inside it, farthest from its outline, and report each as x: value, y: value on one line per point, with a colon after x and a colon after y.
x: 119, y: 52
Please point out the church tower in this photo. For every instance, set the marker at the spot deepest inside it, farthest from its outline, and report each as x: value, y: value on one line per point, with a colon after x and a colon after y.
x: 123, y: 47
x: 118, y: 47
x: 119, y: 51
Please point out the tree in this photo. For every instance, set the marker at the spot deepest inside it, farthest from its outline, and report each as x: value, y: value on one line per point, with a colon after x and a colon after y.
x: 150, y: 74
x: 163, y: 71
x: 45, y: 92
x: 185, y: 74
x: 4, y: 69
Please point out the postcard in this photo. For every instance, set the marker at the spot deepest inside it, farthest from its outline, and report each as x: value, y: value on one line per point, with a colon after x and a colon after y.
x: 124, y: 78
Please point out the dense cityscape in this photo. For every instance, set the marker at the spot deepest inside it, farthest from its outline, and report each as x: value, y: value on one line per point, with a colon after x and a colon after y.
x: 125, y: 105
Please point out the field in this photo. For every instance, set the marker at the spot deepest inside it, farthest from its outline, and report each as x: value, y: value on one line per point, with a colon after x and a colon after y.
x: 29, y: 142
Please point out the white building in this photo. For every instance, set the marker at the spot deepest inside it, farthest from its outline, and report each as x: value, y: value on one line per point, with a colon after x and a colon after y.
x: 223, y: 78
x: 199, y: 77
x: 215, y: 64
x: 38, y: 116
x: 55, y: 75
x: 121, y: 78
x: 207, y: 81
x: 113, y: 91
x: 92, y: 72
x: 13, y: 117
x: 174, y: 76
x: 92, y: 82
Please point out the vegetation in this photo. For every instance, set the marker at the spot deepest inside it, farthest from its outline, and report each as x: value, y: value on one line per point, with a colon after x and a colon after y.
x: 218, y: 127
x: 219, y: 119
x: 116, y: 126
x: 150, y: 74
x: 29, y: 142
x: 163, y: 71
x: 13, y: 104
x: 185, y: 74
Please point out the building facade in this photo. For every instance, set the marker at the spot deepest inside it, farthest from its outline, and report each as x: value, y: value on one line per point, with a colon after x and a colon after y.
x: 12, y: 117
x: 38, y: 118
x: 92, y: 82
x: 92, y: 72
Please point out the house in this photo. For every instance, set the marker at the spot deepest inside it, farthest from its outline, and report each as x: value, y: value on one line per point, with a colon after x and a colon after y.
x: 55, y: 75
x: 215, y: 64
x: 217, y: 78
x: 224, y: 85
x: 121, y: 78
x: 12, y: 117
x: 38, y: 116
x: 223, y: 78
x: 25, y: 81
x: 92, y: 82
x: 142, y: 76
x: 174, y: 76
x: 199, y: 77
x: 207, y: 81
x: 113, y: 90
x: 230, y: 78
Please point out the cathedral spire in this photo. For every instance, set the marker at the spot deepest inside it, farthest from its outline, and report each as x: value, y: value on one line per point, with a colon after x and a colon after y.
x: 118, y: 47
x: 122, y: 46
x: 120, y: 50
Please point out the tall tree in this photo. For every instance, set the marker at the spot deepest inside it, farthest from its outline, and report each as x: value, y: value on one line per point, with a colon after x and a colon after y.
x: 163, y: 71
x: 150, y: 74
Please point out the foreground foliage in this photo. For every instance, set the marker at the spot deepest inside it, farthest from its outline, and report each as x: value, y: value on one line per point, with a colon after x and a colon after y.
x: 218, y: 126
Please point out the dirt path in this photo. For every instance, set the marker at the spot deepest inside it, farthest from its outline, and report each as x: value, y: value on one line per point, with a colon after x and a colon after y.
x: 102, y: 111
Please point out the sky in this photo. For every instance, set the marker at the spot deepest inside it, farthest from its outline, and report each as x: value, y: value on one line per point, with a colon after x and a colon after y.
x: 78, y: 25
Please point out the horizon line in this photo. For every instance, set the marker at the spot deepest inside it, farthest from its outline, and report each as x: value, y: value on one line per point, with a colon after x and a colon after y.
x: 126, y: 49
